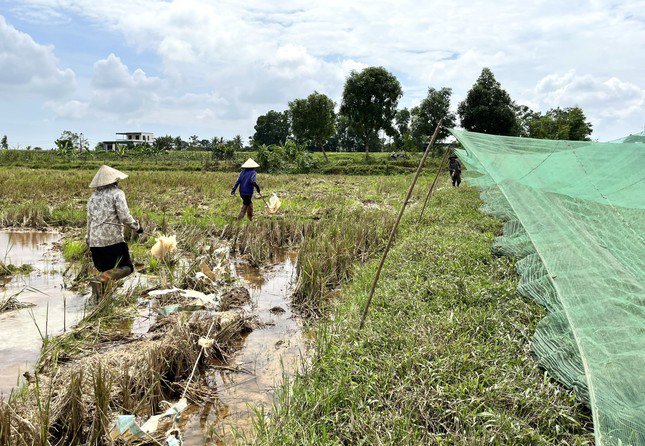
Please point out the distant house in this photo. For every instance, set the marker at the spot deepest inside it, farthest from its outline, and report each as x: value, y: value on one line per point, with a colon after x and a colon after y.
x: 128, y: 139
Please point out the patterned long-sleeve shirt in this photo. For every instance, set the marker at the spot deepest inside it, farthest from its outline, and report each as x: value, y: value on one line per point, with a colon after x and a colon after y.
x: 107, y: 213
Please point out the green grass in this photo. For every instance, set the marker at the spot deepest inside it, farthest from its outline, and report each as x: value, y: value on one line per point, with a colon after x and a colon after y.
x: 339, y: 163
x: 74, y: 250
x: 444, y: 357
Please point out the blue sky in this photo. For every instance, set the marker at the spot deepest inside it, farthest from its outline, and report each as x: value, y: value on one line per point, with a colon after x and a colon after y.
x: 209, y: 68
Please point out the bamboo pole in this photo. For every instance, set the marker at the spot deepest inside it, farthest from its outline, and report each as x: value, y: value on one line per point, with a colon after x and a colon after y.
x: 396, y: 224
x: 434, y: 182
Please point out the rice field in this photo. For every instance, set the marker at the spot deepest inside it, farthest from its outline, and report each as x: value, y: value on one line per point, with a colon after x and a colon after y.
x: 444, y: 357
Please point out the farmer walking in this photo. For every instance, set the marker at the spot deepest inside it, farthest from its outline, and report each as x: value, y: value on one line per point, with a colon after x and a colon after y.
x: 455, y: 170
x: 247, y: 181
x: 107, y: 214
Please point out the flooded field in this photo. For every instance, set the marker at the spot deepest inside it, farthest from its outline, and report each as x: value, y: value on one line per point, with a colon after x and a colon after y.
x: 54, y: 309
x: 239, y: 385
x: 264, y: 355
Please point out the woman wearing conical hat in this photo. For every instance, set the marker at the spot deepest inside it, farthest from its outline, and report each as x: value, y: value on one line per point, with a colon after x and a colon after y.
x: 247, y: 181
x: 107, y: 214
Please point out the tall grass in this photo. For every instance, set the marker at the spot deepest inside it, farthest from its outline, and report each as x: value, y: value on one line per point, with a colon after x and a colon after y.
x: 444, y: 357
x: 328, y: 257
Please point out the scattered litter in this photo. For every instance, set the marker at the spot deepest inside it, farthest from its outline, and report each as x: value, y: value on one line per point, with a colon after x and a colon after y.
x: 164, y: 246
x: 152, y: 425
x: 163, y: 292
x: 173, y: 438
x: 203, y: 299
x: 206, y: 342
x: 170, y: 309
x: 126, y: 426
x: 274, y: 204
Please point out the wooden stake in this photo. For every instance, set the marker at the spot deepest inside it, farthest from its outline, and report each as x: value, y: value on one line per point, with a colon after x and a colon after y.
x: 434, y: 182
x: 396, y: 224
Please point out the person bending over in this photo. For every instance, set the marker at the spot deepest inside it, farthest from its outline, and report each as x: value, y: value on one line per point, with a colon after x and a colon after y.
x: 107, y: 214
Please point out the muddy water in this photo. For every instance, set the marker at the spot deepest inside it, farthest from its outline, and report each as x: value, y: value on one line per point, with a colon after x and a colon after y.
x: 55, y: 308
x: 266, y: 354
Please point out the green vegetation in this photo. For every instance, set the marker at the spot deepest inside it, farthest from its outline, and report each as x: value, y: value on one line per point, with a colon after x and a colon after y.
x: 444, y: 357
x: 342, y: 163
x: 426, y: 117
x: 488, y: 108
x: 7, y: 269
x: 563, y: 124
x: 272, y: 128
x: 370, y: 98
x: 74, y: 250
x: 312, y: 120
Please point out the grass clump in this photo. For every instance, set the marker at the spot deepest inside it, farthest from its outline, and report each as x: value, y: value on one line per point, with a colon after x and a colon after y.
x: 74, y: 250
x: 328, y: 257
x: 444, y: 357
x: 10, y: 303
x: 7, y: 269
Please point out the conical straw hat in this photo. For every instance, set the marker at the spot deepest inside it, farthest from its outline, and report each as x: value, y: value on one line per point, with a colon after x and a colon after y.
x: 107, y: 175
x: 250, y: 164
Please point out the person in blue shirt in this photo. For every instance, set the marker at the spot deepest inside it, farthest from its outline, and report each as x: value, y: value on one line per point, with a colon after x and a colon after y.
x: 247, y: 181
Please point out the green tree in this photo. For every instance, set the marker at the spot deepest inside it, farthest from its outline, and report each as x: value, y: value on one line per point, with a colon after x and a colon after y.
x: 237, y: 143
x: 178, y: 144
x: 272, y: 128
x: 426, y: 117
x: 312, y: 120
x: 488, y: 107
x: 370, y: 99
x: 523, y: 117
x: 4, y: 144
x: 165, y: 143
x: 567, y: 124
x: 402, y: 124
x: 77, y: 140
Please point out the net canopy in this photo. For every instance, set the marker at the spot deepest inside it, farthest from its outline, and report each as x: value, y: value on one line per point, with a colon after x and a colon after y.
x: 575, y: 222
x: 633, y: 138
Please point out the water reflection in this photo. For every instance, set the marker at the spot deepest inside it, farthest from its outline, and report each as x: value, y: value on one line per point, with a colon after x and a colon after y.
x: 54, y: 310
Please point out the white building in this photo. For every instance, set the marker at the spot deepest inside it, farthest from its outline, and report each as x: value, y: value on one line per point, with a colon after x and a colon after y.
x: 129, y: 139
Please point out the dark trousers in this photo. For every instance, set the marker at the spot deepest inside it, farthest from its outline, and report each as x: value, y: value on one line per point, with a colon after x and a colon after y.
x: 456, y: 178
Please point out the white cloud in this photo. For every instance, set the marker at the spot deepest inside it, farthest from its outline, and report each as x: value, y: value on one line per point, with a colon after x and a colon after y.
x: 28, y: 67
x: 227, y: 61
x: 604, y: 98
x: 112, y: 73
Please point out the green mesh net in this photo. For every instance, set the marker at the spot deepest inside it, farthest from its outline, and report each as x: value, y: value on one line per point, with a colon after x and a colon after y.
x: 575, y: 223
x: 634, y: 138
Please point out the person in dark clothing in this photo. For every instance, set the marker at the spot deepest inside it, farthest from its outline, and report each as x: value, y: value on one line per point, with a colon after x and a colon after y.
x: 247, y: 181
x: 455, y: 170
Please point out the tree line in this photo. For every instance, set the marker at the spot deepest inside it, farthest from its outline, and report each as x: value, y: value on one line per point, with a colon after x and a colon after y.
x: 368, y: 114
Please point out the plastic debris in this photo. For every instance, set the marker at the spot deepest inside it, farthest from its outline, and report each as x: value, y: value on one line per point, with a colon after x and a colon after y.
x: 205, y: 342
x: 163, y: 292
x: 173, y: 438
x: 126, y: 426
x: 164, y: 246
x: 169, y: 309
x: 152, y: 425
x: 274, y: 204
